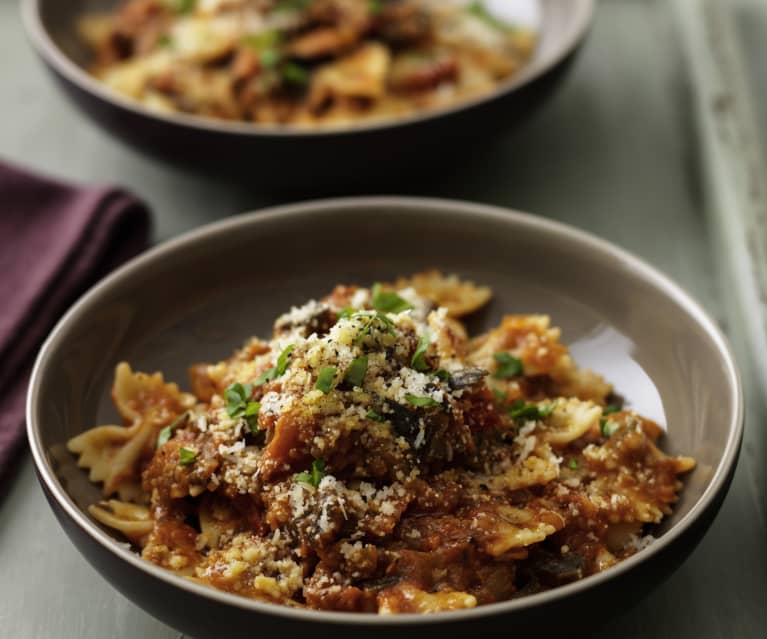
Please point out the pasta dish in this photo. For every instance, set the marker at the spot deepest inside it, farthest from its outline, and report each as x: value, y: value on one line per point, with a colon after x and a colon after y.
x: 372, y: 457
x: 303, y: 62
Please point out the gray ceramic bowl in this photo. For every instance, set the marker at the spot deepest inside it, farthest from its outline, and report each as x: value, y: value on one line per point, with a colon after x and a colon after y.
x: 197, y: 297
x: 288, y: 158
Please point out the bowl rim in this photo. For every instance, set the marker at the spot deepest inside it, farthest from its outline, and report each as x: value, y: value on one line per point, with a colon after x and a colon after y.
x: 47, y: 48
x: 430, y: 207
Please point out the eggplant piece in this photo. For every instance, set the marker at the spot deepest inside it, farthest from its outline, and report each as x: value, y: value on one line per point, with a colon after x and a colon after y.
x: 466, y: 378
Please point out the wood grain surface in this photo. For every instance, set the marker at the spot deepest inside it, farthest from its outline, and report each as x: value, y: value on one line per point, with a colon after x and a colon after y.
x: 622, y: 150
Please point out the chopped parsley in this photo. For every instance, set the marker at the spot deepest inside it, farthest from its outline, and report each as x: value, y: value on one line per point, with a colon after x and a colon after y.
x: 610, y: 409
x: 520, y: 409
x: 374, y: 320
x: 186, y: 456
x: 608, y: 426
x: 294, y: 73
x: 346, y: 312
x: 165, y: 41
x: 388, y: 301
x: 375, y: 6
x: 182, y: 6
x: 422, y: 402
x: 477, y: 8
x: 355, y: 374
x: 239, y: 406
x: 292, y: 5
x: 314, y: 476
x: 278, y: 369
x: 375, y: 416
x: 572, y: 463
x: 166, y: 433
x: 418, y: 362
x: 442, y: 375
x: 508, y: 366
x: 499, y: 395
x: 326, y: 379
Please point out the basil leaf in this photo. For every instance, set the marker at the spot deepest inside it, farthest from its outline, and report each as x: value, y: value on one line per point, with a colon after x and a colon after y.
x: 508, y: 366
x: 422, y: 402
x: 163, y: 437
x: 186, y: 456
x: 388, y: 301
x: 442, y: 375
x: 355, y: 374
x: 418, y: 362
x: 326, y: 379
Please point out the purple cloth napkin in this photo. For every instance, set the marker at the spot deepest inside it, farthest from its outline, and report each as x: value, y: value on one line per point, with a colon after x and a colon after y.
x: 56, y: 240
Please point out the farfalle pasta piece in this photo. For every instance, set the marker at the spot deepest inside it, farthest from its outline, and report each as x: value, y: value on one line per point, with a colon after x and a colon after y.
x: 569, y: 420
x: 132, y: 520
x: 459, y: 297
x: 112, y: 453
x: 532, y: 340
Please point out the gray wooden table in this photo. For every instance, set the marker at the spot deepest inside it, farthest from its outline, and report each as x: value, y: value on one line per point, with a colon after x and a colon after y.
x: 622, y: 150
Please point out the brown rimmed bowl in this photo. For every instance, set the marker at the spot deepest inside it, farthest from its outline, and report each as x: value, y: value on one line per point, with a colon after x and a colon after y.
x: 199, y: 296
x: 273, y: 157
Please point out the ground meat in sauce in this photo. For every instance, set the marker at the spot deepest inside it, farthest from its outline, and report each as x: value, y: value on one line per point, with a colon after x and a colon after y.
x: 432, y: 484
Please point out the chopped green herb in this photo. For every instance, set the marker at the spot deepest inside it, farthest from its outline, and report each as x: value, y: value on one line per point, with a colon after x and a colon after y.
x: 572, y: 463
x: 165, y: 41
x: 314, y: 476
x: 238, y: 404
x: 182, y: 6
x: 166, y: 433
x: 283, y: 360
x: 292, y: 5
x: 419, y: 361
x: 508, y: 366
x: 388, y: 301
x: 375, y: 6
x: 186, y: 456
x: 269, y: 58
x: 294, y: 73
x: 499, y: 395
x: 477, y: 8
x: 263, y: 40
x: 610, y: 409
x: 520, y: 409
x: 374, y: 320
x: 278, y: 369
x: 375, y: 416
x: 346, y: 312
x: 608, y: 427
x: 355, y: 374
x: 326, y: 379
x: 422, y: 402
x: 442, y: 375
